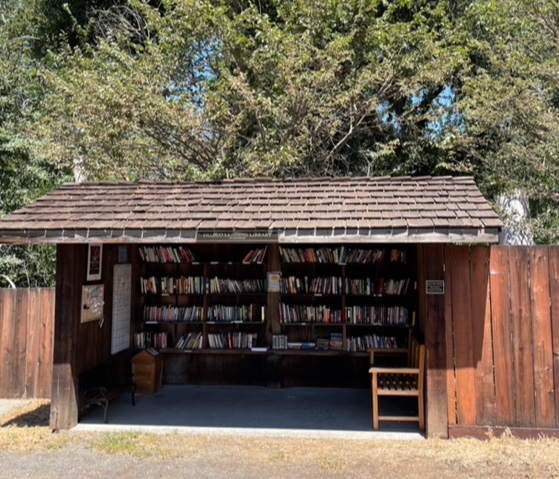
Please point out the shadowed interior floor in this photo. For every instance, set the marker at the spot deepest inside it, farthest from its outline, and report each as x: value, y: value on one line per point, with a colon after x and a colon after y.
x: 255, y: 408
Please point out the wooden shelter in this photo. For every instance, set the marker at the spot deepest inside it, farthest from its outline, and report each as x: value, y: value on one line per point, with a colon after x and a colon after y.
x: 241, y: 267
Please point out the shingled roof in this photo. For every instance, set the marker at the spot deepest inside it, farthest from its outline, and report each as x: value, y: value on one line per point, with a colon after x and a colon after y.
x: 403, y: 209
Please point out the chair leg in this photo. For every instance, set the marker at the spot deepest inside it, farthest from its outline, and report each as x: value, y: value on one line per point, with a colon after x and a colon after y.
x: 421, y: 411
x: 105, y: 406
x: 374, y: 391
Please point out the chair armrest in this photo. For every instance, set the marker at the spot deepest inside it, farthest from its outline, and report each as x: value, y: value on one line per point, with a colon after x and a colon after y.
x: 394, y: 370
x: 92, y: 392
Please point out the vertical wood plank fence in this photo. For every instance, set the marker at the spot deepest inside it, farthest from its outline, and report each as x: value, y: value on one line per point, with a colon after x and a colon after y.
x: 504, y: 307
x: 26, y: 342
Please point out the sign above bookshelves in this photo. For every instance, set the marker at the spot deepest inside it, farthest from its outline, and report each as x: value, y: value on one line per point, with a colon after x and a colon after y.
x: 236, y: 236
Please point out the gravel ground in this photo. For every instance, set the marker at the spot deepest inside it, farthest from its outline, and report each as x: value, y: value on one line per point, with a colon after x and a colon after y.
x: 29, y: 449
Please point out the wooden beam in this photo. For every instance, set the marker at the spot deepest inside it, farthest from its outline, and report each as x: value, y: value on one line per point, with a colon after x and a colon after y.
x: 70, y: 273
x: 432, y: 267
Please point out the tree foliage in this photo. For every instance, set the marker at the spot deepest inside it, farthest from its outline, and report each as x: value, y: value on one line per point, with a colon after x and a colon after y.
x: 22, y: 176
x: 291, y: 88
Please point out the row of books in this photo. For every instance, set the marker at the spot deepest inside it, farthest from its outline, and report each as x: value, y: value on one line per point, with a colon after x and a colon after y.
x: 320, y: 285
x: 192, y: 340
x: 229, y: 286
x: 364, y: 343
x: 236, y: 313
x: 244, y: 340
x: 398, y: 256
x: 380, y: 315
x: 256, y: 255
x: 279, y: 341
x: 360, y: 255
x: 168, y: 285
x: 333, y: 285
x: 232, y: 340
x: 301, y: 345
x: 341, y: 255
x: 172, y: 285
x: 166, y: 254
x: 309, y: 314
x: 148, y: 339
x: 393, y: 286
x: 165, y: 314
x: 335, y: 342
x: 378, y: 287
x: 310, y: 255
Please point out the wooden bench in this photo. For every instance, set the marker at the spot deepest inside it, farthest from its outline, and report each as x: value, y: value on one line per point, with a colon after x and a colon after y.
x: 99, y: 386
x: 400, y: 381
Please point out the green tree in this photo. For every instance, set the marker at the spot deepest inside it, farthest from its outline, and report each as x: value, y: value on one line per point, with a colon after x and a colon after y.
x: 509, y: 98
x: 22, y: 177
x: 295, y: 88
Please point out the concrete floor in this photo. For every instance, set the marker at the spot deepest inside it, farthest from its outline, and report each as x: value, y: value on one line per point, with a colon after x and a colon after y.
x: 253, y: 411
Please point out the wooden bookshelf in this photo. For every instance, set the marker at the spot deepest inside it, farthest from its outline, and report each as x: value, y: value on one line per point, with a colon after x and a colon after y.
x: 336, y: 300
x: 219, y: 296
x: 366, y: 296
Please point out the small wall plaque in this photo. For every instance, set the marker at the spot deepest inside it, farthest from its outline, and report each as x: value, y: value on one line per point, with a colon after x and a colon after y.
x: 434, y: 286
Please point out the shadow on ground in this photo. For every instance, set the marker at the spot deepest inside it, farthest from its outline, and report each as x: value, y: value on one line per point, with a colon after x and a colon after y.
x: 31, y: 417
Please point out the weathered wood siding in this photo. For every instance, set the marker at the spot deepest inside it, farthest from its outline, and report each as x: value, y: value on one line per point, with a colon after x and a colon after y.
x: 26, y: 342
x: 503, y: 341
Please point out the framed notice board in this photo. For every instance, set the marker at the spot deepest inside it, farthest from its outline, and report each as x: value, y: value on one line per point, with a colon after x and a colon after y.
x: 122, y: 294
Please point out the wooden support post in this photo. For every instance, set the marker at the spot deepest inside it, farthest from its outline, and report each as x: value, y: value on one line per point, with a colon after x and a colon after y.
x: 431, y: 267
x: 273, y: 361
x: 70, y: 261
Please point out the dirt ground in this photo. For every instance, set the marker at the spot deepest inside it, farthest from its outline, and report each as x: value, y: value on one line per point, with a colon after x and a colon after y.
x: 29, y: 449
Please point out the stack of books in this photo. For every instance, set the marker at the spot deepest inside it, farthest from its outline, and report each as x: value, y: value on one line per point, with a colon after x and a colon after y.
x: 336, y: 341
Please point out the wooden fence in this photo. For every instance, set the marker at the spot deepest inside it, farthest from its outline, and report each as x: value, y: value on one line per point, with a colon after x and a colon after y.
x: 502, y: 323
x: 26, y: 342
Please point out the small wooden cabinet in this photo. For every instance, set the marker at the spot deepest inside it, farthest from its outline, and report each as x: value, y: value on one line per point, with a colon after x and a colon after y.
x: 147, y: 369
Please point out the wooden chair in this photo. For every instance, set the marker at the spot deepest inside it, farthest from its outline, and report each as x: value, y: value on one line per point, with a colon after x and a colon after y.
x: 400, y: 381
x: 100, y: 385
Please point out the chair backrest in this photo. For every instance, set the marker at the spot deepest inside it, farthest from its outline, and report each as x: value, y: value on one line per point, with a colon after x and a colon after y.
x: 413, y: 352
x: 416, y: 358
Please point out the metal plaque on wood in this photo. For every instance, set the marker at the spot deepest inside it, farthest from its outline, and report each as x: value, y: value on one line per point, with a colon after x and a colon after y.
x: 434, y: 286
x: 236, y: 236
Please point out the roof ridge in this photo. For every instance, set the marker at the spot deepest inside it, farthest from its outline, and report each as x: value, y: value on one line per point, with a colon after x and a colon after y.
x: 269, y: 180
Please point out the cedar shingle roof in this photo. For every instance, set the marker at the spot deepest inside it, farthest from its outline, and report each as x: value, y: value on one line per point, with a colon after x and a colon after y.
x: 402, y: 209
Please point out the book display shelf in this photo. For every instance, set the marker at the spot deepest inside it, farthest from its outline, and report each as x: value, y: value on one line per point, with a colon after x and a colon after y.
x: 206, y: 300
x: 347, y: 299
x: 329, y: 300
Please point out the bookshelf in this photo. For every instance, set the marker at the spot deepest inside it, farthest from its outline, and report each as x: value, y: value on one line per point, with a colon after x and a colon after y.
x: 330, y: 300
x: 344, y: 299
x: 201, y: 300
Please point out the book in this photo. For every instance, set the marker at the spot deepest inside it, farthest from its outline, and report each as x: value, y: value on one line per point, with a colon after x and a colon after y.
x: 259, y: 349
